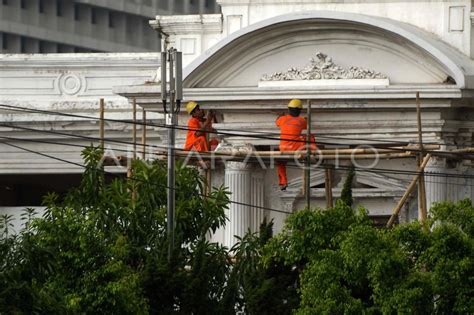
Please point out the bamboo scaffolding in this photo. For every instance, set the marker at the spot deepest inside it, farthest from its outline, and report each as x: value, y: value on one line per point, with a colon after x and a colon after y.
x: 134, y: 153
x: 328, y: 187
x: 134, y: 127
x: 422, y: 212
x: 307, y: 170
x: 143, y: 134
x: 353, y: 151
x: 101, y: 122
x: 258, y: 156
x: 409, y: 190
x: 465, y: 150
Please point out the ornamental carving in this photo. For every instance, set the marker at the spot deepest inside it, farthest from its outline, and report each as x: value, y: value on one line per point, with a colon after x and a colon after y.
x: 323, y: 68
x: 70, y: 84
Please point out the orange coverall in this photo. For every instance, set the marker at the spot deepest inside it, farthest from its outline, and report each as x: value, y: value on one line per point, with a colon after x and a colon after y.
x: 290, y: 130
x: 193, y: 142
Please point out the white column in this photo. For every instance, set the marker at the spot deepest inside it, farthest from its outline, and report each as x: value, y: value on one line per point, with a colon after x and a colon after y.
x: 257, y: 196
x: 436, y: 186
x: 238, y: 181
x: 463, y: 185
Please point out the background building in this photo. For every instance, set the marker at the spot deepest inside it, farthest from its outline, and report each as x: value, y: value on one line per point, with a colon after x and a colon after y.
x: 65, y: 26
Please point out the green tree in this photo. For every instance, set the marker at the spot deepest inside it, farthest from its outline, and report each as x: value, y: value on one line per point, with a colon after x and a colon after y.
x: 346, y: 193
x: 102, y: 248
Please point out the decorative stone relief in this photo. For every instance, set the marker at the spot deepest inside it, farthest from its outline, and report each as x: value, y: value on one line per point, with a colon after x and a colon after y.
x: 234, y: 148
x: 70, y: 84
x: 323, y: 68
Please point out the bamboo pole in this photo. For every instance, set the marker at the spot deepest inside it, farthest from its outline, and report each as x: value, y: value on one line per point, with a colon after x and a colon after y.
x: 307, y: 171
x: 101, y: 126
x: 134, y: 127
x: 207, y: 155
x: 465, y: 150
x: 352, y: 151
x: 328, y: 187
x: 422, y: 212
x: 134, y: 154
x: 143, y: 134
x: 208, y: 181
x: 368, y: 156
x: 409, y: 190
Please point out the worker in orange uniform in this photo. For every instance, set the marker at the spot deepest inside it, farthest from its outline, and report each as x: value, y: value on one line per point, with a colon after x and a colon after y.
x: 291, y: 139
x: 198, y: 124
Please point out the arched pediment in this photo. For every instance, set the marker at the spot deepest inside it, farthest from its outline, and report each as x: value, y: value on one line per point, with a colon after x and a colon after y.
x: 404, y: 53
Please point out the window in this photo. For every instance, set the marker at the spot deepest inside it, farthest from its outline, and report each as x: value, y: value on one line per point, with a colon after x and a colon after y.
x: 93, y: 16
x: 4, y: 41
x: 77, y: 12
x: 59, y: 7
x: 111, y: 19
x: 41, y: 6
x: 22, y: 45
x: 41, y: 48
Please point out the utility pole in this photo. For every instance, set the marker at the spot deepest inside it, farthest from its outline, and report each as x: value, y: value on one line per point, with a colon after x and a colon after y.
x: 171, y: 96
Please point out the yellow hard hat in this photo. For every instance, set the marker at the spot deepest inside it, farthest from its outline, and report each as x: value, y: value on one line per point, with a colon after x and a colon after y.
x: 295, y: 103
x: 191, y: 106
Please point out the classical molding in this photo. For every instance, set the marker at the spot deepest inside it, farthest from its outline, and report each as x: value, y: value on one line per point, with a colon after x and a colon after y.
x: 188, y: 24
x: 136, y: 61
x: 254, y: 98
x: 323, y: 68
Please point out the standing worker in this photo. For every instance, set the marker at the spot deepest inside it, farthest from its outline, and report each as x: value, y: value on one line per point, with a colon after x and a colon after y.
x: 198, y: 124
x: 291, y: 139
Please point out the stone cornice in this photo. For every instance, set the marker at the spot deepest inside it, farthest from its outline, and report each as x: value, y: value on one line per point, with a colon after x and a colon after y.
x: 188, y: 24
x: 103, y: 60
x: 253, y: 98
x: 292, y: 2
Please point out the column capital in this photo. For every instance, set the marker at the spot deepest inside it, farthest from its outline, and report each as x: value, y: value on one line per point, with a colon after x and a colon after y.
x: 436, y: 163
x: 237, y: 166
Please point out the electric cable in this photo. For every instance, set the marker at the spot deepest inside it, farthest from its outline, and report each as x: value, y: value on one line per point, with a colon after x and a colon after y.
x: 290, y: 165
x: 139, y: 180
x: 155, y: 146
x: 240, y: 134
x: 194, y: 152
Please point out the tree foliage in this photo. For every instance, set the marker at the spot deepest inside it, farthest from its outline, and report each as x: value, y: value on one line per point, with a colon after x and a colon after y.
x: 99, y: 249
x: 336, y: 262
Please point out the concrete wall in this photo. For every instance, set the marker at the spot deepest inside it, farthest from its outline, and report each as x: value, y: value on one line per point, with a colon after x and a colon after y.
x: 67, y: 83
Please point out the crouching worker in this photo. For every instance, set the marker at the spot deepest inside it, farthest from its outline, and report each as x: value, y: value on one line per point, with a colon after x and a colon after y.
x: 198, y: 124
x: 291, y: 137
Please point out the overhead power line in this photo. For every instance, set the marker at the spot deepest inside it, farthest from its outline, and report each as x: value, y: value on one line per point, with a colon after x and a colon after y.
x: 293, y: 164
x: 222, y: 131
x: 139, y: 180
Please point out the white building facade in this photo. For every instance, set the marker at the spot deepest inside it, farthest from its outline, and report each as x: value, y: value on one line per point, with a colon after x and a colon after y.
x: 360, y: 63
